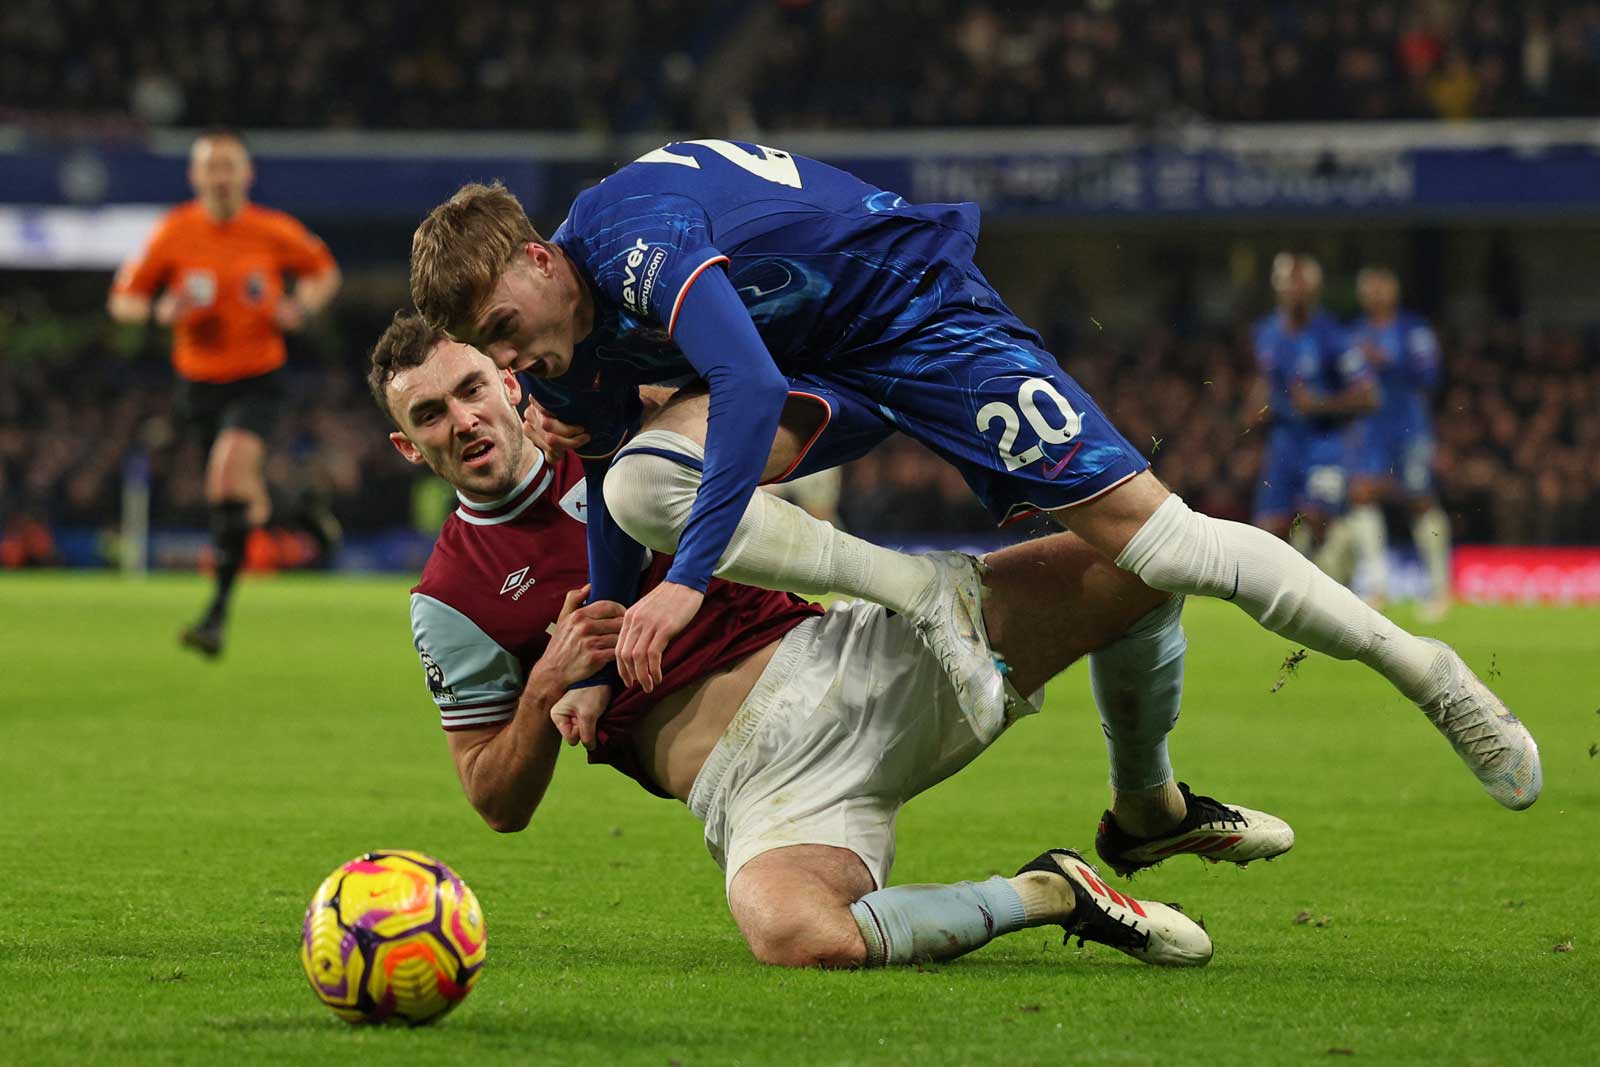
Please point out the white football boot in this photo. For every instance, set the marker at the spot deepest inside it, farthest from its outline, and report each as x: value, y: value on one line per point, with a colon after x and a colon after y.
x: 1484, y: 733
x: 1210, y: 829
x: 949, y: 619
x: 1147, y: 930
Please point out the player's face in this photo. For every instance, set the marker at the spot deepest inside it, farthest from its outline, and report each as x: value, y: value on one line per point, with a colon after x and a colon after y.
x: 1298, y: 286
x: 1378, y: 292
x: 220, y: 173
x: 528, y: 323
x: 458, y: 414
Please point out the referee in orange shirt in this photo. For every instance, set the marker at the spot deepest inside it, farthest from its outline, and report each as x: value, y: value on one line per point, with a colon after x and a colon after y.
x: 219, y: 263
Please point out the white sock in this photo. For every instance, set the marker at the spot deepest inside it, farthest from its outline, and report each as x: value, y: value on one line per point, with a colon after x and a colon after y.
x: 1182, y: 551
x: 776, y: 544
x: 1368, y: 535
x: 1431, y: 532
x: 1138, y: 687
x: 909, y: 923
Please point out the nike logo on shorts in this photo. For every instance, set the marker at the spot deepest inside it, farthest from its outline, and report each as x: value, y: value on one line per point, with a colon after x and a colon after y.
x: 1052, y: 471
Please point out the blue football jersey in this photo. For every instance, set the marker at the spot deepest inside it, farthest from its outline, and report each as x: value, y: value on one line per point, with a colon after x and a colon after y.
x: 824, y: 263
x: 1404, y: 354
x: 1314, y: 355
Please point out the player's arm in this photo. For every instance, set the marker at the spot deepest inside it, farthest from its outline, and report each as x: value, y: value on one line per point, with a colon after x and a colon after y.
x: 1258, y: 395
x: 505, y: 769
x: 132, y: 309
x: 714, y: 331
x: 615, y: 563
x: 313, y: 292
x: 316, y: 276
x: 133, y: 290
x: 1357, y: 393
x: 716, y: 334
x: 1422, y: 348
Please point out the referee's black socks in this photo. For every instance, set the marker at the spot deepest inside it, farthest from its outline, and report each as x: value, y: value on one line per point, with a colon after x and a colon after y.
x: 230, y: 529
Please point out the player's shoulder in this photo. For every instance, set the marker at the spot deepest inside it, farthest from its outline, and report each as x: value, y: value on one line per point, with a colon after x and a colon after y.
x: 270, y: 220
x: 1267, y: 328
x: 179, y: 219
x: 450, y: 566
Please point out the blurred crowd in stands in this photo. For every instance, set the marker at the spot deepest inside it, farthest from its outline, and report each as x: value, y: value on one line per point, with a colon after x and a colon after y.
x: 1026, y: 62
x: 1518, y: 428
x: 628, y: 65
x: 371, y: 64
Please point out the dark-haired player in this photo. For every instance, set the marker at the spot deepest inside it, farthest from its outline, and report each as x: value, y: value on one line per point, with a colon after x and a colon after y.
x: 795, y: 735
x: 218, y: 263
x: 1395, y: 460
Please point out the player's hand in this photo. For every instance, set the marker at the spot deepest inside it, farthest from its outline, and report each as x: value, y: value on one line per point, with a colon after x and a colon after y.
x: 289, y: 315
x: 583, y: 641
x: 577, y: 714
x: 549, y: 434
x: 658, y: 617
x: 171, y: 306
x: 1303, y: 399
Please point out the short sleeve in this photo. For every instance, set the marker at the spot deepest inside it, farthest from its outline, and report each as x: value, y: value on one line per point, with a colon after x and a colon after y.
x: 473, y: 680
x: 644, y: 252
x: 1422, y: 351
x: 300, y: 252
x: 149, y: 268
x: 1350, y: 361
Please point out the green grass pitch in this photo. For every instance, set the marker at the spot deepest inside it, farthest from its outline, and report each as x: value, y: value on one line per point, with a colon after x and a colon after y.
x: 165, y: 821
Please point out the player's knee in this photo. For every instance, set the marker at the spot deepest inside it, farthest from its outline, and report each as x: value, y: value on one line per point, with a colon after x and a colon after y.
x: 798, y: 941
x: 649, y: 496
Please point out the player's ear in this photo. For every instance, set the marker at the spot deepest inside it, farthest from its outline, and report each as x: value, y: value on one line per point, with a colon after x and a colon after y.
x: 512, y: 386
x: 538, y: 256
x: 406, y: 447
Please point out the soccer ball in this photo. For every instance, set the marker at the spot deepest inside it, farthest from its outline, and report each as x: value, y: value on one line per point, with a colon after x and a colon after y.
x: 392, y: 937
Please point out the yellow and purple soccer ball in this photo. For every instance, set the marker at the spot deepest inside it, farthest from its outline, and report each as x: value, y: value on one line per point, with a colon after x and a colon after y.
x: 392, y: 937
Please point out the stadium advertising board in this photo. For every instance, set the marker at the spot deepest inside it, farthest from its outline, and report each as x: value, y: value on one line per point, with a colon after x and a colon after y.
x: 1512, y: 574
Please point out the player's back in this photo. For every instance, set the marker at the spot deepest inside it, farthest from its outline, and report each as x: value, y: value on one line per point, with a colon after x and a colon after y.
x: 824, y: 261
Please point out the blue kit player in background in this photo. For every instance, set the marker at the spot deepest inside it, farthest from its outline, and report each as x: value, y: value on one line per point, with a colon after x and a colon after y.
x: 820, y: 314
x: 1313, y: 393
x: 1394, y: 461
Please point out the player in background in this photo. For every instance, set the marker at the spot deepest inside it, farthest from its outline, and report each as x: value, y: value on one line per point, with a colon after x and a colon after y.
x: 218, y: 264
x: 1395, y: 457
x: 1311, y: 392
x: 786, y: 284
x: 794, y: 735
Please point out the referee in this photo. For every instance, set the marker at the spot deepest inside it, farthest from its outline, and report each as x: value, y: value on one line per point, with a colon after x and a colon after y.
x: 219, y: 264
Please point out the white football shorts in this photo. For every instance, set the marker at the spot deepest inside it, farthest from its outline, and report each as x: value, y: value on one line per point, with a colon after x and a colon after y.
x: 852, y: 717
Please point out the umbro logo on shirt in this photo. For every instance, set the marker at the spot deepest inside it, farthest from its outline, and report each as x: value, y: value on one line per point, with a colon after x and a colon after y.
x: 519, y: 581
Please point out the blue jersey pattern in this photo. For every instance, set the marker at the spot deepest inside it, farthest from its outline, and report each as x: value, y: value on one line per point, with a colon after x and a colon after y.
x: 824, y: 263
x: 860, y: 301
